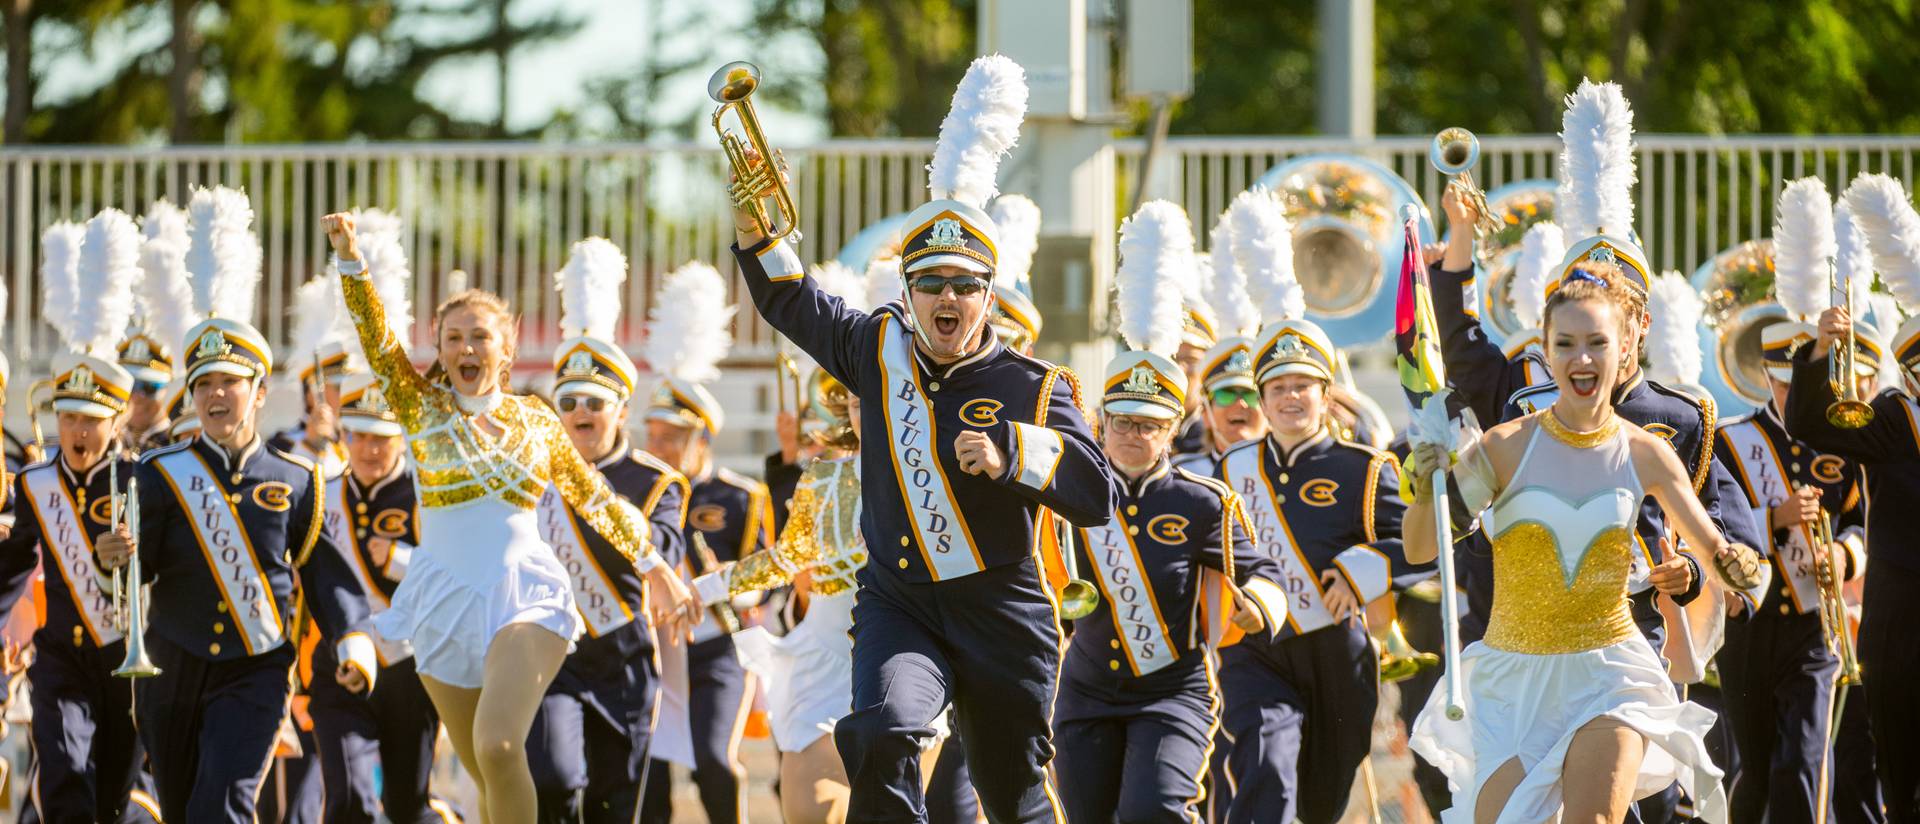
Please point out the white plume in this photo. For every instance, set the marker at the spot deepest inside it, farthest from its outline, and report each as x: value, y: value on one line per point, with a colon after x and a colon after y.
x: 836, y: 279
x: 1226, y: 286
x: 1883, y: 310
x: 1017, y: 220
x: 590, y: 289
x: 60, y: 276
x: 883, y: 282
x: 318, y: 317
x: 109, y: 266
x: 1541, y: 250
x: 224, y: 257
x: 1852, y: 261
x: 1263, y: 249
x: 380, y: 236
x: 1596, y: 162
x: 1803, y: 243
x: 1156, y: 252
x: 165, y: 296
x: 1673, y: 339
x: 1885, y: 215
x: 982, y: 125
x: 687, y: 331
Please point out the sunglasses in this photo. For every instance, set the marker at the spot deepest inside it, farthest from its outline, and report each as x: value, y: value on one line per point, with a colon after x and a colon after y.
x: 1146, y: 427
x: 963, y: 285
x: 1232, y: 395
x: 572, y: 402
x: 148, y: 388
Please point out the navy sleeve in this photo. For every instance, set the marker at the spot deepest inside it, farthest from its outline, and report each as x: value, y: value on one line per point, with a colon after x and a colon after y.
x: 1476, y: 368
x: 1058, y: 464
x: 1889, y: 437
x: 669, y: 519
x: 159, y: 507
x: 793, y: 304
x: 332, y: 591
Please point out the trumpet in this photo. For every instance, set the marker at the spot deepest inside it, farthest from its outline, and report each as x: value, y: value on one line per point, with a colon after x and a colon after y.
x: 1399, y: 660
x: 1079, y: 597
x: 37, y: 449
x: 1833, y: 602
x: 1455, y: 151
x: 1847, y: 411
x: 786, y: 383
x: 129, y: 597
x: 755, y: 179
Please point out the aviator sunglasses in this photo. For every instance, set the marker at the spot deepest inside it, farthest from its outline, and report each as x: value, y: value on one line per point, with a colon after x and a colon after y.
x: 963, y: 285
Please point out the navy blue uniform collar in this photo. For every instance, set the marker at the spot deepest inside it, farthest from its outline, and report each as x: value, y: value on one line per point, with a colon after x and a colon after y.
x: 60, y: 460
x: 1317, y: 443
x: 1137, y: 487
x: 399, y: 470
x: 229, y: 462
x: 1634, y: 387
x: 620, y: 450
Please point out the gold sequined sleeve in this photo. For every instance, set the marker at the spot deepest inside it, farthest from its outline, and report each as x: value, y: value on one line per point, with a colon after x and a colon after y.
x: 404, y: 387
x: 798, y: 547
x: 586, y: 490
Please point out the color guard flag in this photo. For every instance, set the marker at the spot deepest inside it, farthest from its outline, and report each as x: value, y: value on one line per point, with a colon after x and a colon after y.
x: 1416, y: 336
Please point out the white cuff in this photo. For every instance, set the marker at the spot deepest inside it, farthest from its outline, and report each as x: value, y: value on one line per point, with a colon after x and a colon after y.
x: 713, y: 587
x: 648, y: 560
x: 781, y: 262
x: 1268, y: 596
x: 1367, y: 569
x: 1036, y: 454
x: 398, y: 559
x: 356, y: 268
x: 1855, y: 542
x: 356, y: 650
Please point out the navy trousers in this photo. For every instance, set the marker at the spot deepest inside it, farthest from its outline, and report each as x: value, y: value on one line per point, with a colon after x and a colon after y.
x: 392, y: 728
x: 86, y: 756
x: 989, y: 643
x: 1135, y: 752
x: 1889, y: 663
x: 1776, y: 677
x: 950, y: 798
x: 590, y: 741
x: 1856, y: 789
x: 1300, y: 714
x: 209, y: 728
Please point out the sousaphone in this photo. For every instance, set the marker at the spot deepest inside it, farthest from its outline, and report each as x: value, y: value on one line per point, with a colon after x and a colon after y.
x: 1737, y: 285
x: 1516, y: 207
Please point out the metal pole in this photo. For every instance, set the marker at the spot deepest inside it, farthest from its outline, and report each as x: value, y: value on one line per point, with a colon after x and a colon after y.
x: 1345, y: 76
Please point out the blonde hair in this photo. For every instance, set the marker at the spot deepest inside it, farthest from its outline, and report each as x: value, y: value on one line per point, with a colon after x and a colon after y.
x: 484, y: 301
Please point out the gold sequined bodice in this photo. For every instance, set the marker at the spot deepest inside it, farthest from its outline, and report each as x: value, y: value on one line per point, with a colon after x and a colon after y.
x: 822, y: 533
x: 457, y: 462
x: 1563, y: 543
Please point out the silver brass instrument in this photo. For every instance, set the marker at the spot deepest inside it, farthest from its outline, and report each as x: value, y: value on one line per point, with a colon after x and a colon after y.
x: 137, y: 664
x: 1737, y: 285
x: 755, y: 179
x: 1455, y: 151
x: 786, y: 384
x: 702, y: 561
x: 1079, y: 597
x: 1847, y: 411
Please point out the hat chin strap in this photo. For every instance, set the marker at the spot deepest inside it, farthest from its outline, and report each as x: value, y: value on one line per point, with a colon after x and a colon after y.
x: 913, y: 319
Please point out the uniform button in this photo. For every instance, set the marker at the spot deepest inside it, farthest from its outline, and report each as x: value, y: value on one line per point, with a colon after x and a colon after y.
x: 905, y: 541
x: 221, y: 607
x: 362, y: 520
x: 903, y: 563
x: 1279, y: 499
x: 1133, y: 530
x: 1115, y: 643
x: 219, y: 628
x: 1133, y: 509
x: 235, y: 497
x: 1783, y: 609
x: 1794, y: 467
x: 236, y: 479
x: 360, y: 507
x: 78, y: 635
x: 1283, y: 477
x: 1113, y: 664
x: 933, y: 387
x: 360, y: 533
x: 1796, y: 450
x: 213, y: 648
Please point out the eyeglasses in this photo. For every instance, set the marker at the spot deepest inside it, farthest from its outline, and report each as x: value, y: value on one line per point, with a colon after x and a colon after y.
x: 1231, y: 395
x: 963, y: 285
x: 569, y: 403
x: 1144, y: 427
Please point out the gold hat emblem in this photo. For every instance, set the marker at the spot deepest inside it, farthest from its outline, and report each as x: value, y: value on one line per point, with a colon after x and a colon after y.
x: 374, y: 400
x: 947, y: 232
x: 1290, y: 348
x: 1240, y: 362
x: 579, y: 363
x: 80, y: 383
x: 139, y: 350
x: 1141, y: 381
x: 213, y: 345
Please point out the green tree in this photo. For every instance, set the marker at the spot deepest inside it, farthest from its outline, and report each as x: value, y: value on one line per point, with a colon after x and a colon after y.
x: 889, y: 67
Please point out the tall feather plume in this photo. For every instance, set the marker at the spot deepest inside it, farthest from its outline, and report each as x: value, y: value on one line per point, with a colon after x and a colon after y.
x: 224, y: 257
x: 883, y: 281
x: 381, y: 236
x: 687, y: 326
x: 1852, y: 261
x: 318, y: 313
x: 590, y: 288
x: 981, y: 127
x: 1541, y: 250
x: 1156, y: 251
x: 836, y: 279
x: 1596, y: 162
x: 1018, y: 220
x: 1673, y: 339
x: 1226, y: 286
x: 60, y: 275
x: 1263, y: 250
x: 109, y: 267
x: 165, y: 296
x: 1885, y: 215
x: 1803, y: 243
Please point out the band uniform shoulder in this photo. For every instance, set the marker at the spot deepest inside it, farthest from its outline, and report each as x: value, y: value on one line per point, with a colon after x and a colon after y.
x: 1708, y: 412
x: 1214, y: 485
x: 153, y: 454
x: 1532, y: 391
x: 653, y: 462
x: 296, y: 460
x: 739, y: 481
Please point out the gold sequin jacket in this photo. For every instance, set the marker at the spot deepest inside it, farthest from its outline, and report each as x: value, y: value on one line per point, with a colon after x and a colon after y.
x: 823, y: 534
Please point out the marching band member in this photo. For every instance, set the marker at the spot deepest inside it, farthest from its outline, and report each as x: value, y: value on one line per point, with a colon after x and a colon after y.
x: 1569, y: 709
x: 978, y: 438
x: 1885, y: 449
x: 486, y: 605
x: 228, y: 530
x: 1480, y: 373
x: 1777, y: 673
x: 84, y: 743
x: 591, y: 739
x: 319, y: 360
x: 729, y: 516
x: 1229, y: 401
x: 163, y: 309
x: 1138, y: 706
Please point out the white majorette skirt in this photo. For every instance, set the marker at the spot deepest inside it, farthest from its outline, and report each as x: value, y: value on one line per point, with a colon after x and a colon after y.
x: 479, y: 568
x: 1527, y: 707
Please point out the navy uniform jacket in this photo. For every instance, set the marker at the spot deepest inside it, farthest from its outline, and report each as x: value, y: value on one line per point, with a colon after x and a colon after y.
x: 1327, y: 504
x: 660, y: 493
x: 1151, y: 625
x: 1477, y: 370
x: 782, y: 479
x: 1768, y: 465
x: 1887, y: 450
x: 1193, y: 435
x: 923, y: 517
x: 389, y: 509
x: 27, y: 546
x: 278, y: 499
x: 734, y: 516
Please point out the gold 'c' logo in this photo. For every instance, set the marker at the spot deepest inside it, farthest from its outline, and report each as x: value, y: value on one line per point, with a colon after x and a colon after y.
x: 1319, y: 492
x: 272, y: 495
x: 981, y: 412
x: 1168, y: 529
x: 390, y: 523
x: 1829, y: 469
x: 708, y: 518
x: 1665, y: 432
x: 101, y: 511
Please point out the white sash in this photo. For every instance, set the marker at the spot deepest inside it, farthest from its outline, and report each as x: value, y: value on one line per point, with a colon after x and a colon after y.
x: 1123, y: 580
x: 944, y: 539
x: 229, y: 551
x: 1272, y: 536
x: 63, y: 533
x: 599, y: 602
x: 1767, y: 482
x: 339, y: 526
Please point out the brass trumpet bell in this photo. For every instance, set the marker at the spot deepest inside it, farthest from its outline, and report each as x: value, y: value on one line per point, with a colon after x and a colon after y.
x: 1454, y: 151
x: 1399, y: 660
x: 1849, y: 414
x: 1078, y: 599
x: 759, y: 171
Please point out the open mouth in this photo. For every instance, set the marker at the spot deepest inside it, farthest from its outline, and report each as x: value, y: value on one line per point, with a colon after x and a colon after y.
x: 470, y: 373
x: 583, y: 426
x: 946, y: 323
x: 1584, y: 383
x: 217, y: 411
x: 1239, y: 418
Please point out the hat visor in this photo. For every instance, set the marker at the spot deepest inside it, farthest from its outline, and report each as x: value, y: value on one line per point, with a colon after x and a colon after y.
x: 961, y: 261
x: 369, y: 425
x: 1139, y: 409
x: 588, y: 388
x: 1231, y: 382
x: 88, y: 408
x: 147, y: 374
x: 1311, y: 370
x: 221, y: 367
x: 185, y: 426
x: 673, y: 416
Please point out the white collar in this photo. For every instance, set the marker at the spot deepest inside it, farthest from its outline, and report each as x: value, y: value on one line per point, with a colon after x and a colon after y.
x: 480, y: 405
